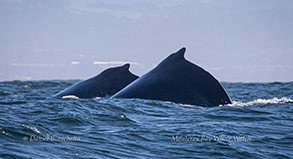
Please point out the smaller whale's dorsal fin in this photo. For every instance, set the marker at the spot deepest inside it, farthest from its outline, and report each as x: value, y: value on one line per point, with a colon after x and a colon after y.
x: 126, y: 66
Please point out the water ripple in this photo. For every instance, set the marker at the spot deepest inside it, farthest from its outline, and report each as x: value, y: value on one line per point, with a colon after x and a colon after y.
x: 258, y: 124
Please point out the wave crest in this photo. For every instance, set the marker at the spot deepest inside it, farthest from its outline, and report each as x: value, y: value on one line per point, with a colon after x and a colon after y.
x: 262, y: 101
x: 71, y: 96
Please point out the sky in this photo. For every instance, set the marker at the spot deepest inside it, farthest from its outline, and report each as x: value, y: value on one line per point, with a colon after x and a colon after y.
x: 234, y: 40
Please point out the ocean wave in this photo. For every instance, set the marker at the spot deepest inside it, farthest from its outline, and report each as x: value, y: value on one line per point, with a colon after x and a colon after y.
x: 262, y: 101
x: 35, y: 125
x: 254, y: 102
x: 34, y: 129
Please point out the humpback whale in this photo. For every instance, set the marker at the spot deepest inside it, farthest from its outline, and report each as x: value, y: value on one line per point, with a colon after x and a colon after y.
x: 104, y: 84
x: 177, y: 80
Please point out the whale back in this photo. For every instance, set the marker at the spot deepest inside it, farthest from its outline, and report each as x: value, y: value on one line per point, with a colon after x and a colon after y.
x: 107, y: 83
x: 178, y: 80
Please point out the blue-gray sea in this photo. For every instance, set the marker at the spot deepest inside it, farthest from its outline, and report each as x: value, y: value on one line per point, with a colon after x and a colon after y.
x: 33, y: 124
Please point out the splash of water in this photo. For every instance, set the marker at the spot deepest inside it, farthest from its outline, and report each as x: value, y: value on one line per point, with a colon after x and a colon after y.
x: 262, y: 101
x: 71, y: 96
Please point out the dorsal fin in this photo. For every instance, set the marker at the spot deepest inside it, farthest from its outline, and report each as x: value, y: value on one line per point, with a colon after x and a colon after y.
x: 178, y: 55
x: 126, y: 66
x: 181, y: 52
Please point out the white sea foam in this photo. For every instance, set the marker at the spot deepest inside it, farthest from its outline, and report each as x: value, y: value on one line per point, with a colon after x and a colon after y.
x: 262, y: 101
x: 32, y: 128
x: 257, y: 101
x: 190, y: 105
x: 71, y: 96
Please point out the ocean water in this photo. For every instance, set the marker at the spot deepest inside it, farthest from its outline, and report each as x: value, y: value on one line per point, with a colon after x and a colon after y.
x: 259, y: 124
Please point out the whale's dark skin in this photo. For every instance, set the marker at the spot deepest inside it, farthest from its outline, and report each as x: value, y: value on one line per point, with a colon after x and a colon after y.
x: 177, y: 80
x: 104, y: 84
